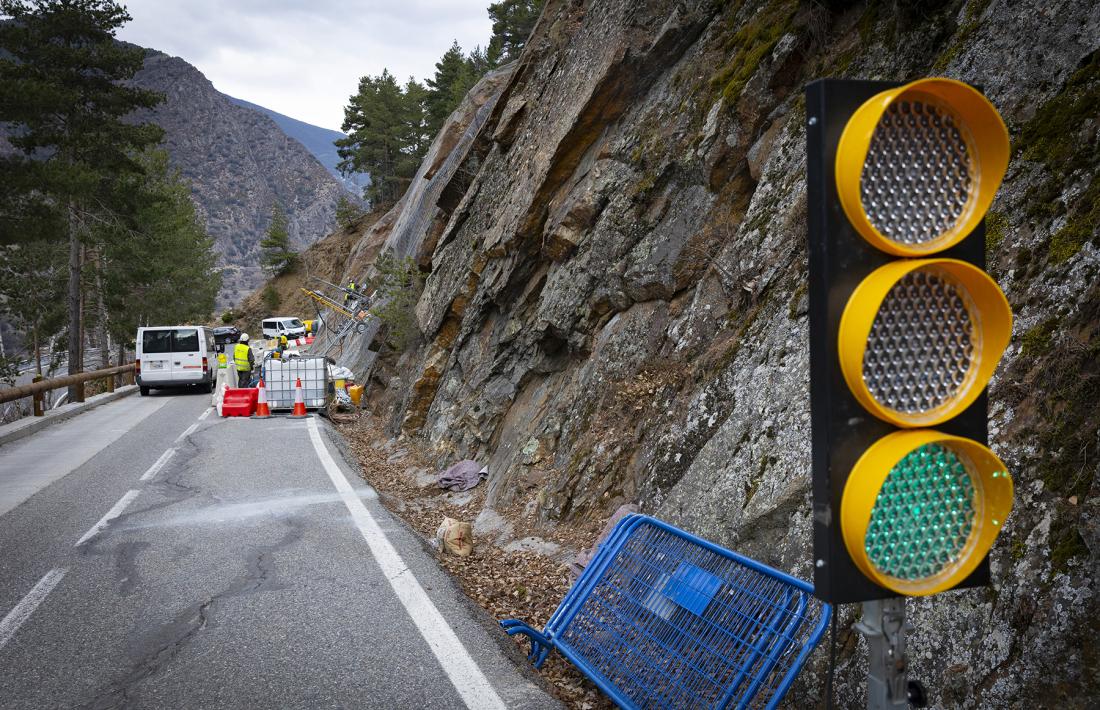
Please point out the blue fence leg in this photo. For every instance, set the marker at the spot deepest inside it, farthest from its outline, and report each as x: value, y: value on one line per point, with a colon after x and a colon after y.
x: 540, y: 644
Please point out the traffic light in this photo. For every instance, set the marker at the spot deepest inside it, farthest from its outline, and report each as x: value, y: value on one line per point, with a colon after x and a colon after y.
x: 906, y: 329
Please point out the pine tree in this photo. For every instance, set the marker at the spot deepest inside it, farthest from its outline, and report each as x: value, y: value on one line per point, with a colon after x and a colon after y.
x: 347, y: 212
x: 451, y: 70
x: 513, y: 21
x: 63, y: 92
x: 375, y: 121
x: 278, y: 257
x: 33, y: 277
x: 158, y: 264
x: 388, y: 135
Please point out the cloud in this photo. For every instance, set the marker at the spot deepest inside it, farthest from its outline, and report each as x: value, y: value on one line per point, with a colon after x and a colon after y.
x: 304, y: 58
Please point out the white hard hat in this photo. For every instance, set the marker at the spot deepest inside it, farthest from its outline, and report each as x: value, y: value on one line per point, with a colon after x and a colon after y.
x: 243, y: 338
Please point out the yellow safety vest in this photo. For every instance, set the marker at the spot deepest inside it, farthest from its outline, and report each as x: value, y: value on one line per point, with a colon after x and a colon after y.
x: 240, y: 357
x: 221, y: 361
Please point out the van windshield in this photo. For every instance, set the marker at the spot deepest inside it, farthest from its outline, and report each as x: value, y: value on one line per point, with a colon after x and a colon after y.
x: 295, y: 323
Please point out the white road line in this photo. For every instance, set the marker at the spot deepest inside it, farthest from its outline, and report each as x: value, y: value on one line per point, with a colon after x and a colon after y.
x: 206, y: 414
x: 467, y: 678
x: 26, y: 606
x: 113, y: 513
x: 157, y: 465
x: 187, y: 432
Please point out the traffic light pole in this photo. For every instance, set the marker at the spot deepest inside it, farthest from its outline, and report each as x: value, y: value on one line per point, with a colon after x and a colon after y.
x: 886, y: 629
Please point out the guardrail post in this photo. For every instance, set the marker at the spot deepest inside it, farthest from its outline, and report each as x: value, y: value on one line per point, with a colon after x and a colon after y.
x: 79, y: 391
x: 110, y: 383
x: 39, y: 399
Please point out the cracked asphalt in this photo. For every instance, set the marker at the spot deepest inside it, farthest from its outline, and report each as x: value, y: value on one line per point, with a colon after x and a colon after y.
x: 236, y: 578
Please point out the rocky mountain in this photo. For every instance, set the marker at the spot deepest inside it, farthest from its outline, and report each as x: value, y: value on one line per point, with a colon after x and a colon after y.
x: 317, y: 140
x: 613, y: 234
x: 240, y: 163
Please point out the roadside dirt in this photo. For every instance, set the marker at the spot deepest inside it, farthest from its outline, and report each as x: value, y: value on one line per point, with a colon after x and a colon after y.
x: 522, y: 584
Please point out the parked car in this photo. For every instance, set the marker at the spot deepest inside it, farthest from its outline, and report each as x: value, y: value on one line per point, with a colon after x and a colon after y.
x: 224, y: 335
x: 283, y: 325
x: 175, y: 356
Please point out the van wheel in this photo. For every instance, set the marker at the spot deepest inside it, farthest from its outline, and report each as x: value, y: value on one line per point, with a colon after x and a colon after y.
x: 144, y: 391
x: 207, y: 388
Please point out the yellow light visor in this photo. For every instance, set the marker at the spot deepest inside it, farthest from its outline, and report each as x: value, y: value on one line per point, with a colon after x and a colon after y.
x: 921, y: 509
x: 917, y: 166
x: 920, y: 338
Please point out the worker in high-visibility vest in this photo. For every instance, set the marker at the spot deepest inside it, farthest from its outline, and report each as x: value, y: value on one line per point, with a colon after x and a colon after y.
x: 351, y: 287
x: 244, y: 361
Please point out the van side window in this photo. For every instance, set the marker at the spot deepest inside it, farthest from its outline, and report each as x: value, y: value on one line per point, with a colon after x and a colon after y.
x: 156, y: 341
x: 186, y: 341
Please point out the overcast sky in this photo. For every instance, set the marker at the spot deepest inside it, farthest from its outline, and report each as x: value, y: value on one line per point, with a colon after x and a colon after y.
x: 303, y: 58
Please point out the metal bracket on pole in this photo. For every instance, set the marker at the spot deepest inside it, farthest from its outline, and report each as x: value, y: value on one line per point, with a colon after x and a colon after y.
x: 886, y: 629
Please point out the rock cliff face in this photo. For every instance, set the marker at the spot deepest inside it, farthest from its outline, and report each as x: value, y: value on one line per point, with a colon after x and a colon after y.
x: 240, y: 163
x: 616, y: 304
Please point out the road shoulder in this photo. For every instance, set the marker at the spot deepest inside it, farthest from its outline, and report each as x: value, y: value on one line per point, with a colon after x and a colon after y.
x: 498, y: 658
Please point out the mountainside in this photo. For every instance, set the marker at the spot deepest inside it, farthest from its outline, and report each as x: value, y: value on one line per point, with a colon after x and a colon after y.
x: 616, y: 306
x: 316, y: 140
x: 240, y: 164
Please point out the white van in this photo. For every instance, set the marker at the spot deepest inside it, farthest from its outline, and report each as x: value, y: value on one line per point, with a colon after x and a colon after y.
x: 283, y: 325
x: 175, y: 356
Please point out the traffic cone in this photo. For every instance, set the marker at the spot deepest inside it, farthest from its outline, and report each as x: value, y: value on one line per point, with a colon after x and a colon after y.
x: 299, y: 411
x: 262, y: 410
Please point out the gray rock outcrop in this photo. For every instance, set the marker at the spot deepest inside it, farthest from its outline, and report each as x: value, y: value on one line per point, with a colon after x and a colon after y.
x: 616, y: 305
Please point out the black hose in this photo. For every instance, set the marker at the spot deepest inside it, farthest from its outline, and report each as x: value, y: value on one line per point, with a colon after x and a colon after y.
x: 832, y: 662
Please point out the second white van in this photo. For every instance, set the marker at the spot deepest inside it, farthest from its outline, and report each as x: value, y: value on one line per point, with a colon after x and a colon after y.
x: 283, y: 325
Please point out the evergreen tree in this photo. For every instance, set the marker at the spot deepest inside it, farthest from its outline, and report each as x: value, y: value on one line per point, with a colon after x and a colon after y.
x: 513, y: 21
x: 418, y: 132
x: 63, y: 91
x: 451, y: 71
x: 347, y: 212
x: 158, y: 264
x: 375, y: 122
x: 278, y: 257
x: 388, y: 134
x: 33, y: 277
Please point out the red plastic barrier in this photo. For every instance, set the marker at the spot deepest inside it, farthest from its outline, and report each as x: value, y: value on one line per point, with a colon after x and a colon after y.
x: 240, y: 402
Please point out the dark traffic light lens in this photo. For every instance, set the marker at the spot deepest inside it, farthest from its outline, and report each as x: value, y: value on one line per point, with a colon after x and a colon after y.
x: 917, y: 178
x: 919, y: 351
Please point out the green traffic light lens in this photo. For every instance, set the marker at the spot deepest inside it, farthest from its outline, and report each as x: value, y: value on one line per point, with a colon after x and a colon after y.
x: 923, y: 514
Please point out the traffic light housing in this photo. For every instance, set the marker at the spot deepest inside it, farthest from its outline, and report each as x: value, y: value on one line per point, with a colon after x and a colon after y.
x: 906, y: 329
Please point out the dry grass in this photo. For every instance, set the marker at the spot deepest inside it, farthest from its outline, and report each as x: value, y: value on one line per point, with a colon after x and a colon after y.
x: 523, y: 585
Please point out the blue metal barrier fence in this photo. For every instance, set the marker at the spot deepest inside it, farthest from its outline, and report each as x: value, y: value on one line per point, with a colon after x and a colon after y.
x: 663, y: 619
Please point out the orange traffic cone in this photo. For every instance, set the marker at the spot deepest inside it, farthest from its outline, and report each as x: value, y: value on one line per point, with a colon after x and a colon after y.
x: 299, y: 411
x: 262, y: 410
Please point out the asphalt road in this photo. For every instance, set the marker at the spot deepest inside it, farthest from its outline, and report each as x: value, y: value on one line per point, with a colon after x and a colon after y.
x: 248, y: 568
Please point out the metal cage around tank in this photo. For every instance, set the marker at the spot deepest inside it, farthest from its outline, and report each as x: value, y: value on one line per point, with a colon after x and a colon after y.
x: 280, y: 377
x: 663, y: 619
